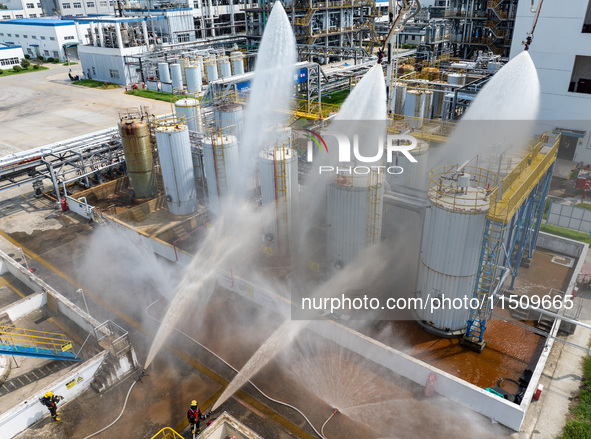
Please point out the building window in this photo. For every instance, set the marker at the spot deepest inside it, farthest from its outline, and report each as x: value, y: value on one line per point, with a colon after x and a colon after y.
x: 93, y: 71
x: 52, y: 38
x: 587, y: 22
x: 39, y: 5
x: 77, y: 5
x: 24, y: 36
x: 30, y: 5
x: 103, y: 4
x: 66, y: 5
x: 9, y: 61
x: 580, y: 81
x: 29, y: 51
x: 8, y: 35
x: 69, y: 37
x: 90, y: 4
x: 6, y: 17
x: 1, y: 34
x: 42, y: 37
x: 32, y: 15
x: 19, y: 16
x: 79, y: 15
x: 46, y: 53
x: 56, y: 54
x: 16, y: 35
x: 114, y: 73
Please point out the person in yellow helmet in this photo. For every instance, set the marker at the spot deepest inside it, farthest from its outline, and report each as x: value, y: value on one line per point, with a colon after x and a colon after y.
x: 50, y: 401
x: 194, y: 416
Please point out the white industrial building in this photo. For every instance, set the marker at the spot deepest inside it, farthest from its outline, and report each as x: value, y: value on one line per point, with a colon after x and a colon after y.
x: 40, y: 36
x: 10, y: 56
x: 561, y: 52
x: 80, y: 8
x: 21, y: 9
x: 109, y: 41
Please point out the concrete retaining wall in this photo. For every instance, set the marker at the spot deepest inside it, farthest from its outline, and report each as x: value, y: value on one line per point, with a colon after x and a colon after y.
x: 29, y: 411
x: 447, y: 385
x: 25, y: 306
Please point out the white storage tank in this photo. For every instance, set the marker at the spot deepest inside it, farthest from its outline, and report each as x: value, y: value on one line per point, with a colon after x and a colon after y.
x: 225, y: 69
x: 237, y: 60
x: 456, y: 78
x: 228, y: 118
x: 176, y: 163
x: 190, y: 109
x: 398, y: 98
x: 415, y: 175
x: 278, y: 174
x: 176, y: 74
x: 193, y: 76
x: 211, y: 68
x: 354, y: 216
x: 197, y: 165
x: 222, y: 166
x: 415, y: 106
x: 163, y: 72
x: 451, y: 245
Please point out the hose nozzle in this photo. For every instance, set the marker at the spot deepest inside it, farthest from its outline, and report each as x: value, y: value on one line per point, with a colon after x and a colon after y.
x: 142, y: 374
x: 335, y: 412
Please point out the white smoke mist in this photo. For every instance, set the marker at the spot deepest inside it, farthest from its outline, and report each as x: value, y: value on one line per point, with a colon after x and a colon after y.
x: 499, y: 123
x: 271, y: 89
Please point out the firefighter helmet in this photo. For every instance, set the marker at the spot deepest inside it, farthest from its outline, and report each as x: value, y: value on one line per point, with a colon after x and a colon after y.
x: 48, y: 395
x: 193, y: 403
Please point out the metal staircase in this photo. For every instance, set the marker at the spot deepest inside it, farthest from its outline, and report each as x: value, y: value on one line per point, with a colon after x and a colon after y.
x: 492, y: 242
x: 219, y: 161
x: 374, y: 209
x: 38, y: 344
x: 281, y: 202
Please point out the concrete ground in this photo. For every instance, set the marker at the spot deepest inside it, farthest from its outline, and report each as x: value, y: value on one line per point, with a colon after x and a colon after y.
x: 43, y: 107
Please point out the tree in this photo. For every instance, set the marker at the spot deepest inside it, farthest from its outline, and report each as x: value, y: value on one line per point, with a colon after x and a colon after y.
x: 17, y: 68
x: 3, y: 6
x: 25, y: 63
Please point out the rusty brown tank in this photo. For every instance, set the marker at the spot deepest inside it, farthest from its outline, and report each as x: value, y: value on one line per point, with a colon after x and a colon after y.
x: 135, y: 137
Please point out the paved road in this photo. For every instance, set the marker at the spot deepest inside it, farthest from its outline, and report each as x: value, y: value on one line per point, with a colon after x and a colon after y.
x: 43, y: 107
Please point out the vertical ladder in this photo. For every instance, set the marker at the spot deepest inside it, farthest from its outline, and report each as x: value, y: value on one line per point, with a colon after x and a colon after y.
x: 219, y: 162
x: 539, y: 212
x: 374, y: 213
x: 492, y: 242
x: 281, y: 202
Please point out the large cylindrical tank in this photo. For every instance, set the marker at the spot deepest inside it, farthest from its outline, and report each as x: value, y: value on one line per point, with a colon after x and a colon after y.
x: 211, y: 68
x: 174, y: 152
x: 451, y: 246
x: 190, y: 109
x: 414, y: 107
x: 225, y: 68
x: 197, y: 165
x: 193, y: 75
x: 176, y: 74
x: 398, y: 98
x: 353, y: 216
x: 278, y: 174
x: 415, y: 174
x: 456, y: 78
x: 438, y: 94
x: 237, y: 60
x: 163, y: 72
x: 228, y: 118
x: 221, y: 163
x: 135, y: 139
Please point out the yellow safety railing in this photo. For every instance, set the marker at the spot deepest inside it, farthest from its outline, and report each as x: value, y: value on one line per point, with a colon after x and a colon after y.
x: 29, y: 338
x: 518, y: 184
x: 423, y: 129
x: 446, y: 192
x: 167, y: 433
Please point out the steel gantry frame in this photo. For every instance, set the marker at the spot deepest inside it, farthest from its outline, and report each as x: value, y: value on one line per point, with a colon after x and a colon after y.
x: 512, y: 227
